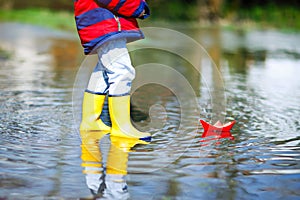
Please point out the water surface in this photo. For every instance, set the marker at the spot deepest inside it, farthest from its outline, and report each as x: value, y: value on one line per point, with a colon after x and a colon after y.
x: 40, y: 145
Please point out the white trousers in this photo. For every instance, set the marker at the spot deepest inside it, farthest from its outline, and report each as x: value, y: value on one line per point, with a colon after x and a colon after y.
x: 114, y: 72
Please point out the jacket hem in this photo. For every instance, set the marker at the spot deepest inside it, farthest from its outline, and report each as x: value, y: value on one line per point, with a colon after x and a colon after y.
x: 129, y: 35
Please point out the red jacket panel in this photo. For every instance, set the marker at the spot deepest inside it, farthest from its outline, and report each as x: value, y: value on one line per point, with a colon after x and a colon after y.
x: 99, y: 21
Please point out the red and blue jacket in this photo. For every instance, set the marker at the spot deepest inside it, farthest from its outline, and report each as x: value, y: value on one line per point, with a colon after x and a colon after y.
x: 99, y: 21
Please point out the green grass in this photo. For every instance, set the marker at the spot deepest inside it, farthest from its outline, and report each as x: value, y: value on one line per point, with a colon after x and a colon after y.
x: 43, y: 17
x: 4, y: 55
x: 272, y: 16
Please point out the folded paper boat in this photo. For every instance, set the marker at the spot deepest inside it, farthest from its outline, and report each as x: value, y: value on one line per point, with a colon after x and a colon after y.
x: 217, y: 127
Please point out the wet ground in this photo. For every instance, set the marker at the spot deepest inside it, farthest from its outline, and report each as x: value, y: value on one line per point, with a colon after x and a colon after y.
x: 254, y: 79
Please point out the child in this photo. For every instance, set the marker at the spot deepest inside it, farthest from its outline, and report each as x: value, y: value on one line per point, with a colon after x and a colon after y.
x: 104, y: 28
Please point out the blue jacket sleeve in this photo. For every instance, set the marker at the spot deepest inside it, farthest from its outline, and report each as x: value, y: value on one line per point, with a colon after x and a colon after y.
x: 126, y: 8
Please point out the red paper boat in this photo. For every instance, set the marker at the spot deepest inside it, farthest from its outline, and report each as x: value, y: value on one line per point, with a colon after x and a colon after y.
x: 213, y: 135
x: 217, y: 127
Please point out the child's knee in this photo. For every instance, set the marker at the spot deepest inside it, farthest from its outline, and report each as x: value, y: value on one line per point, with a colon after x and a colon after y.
x: 131, y: 73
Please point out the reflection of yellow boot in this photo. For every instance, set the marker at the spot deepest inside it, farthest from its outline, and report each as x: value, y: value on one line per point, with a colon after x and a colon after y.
x: 117, y: 159
x: 119, y: 110
x: 92, y: 160
x: 116, y: 167
x: 91, y: 109
x: 118, y: 154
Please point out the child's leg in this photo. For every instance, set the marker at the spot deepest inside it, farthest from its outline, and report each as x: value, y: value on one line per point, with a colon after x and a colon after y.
x: 120, y: 73
x: 98, y: 83
x: 93, y: 101
x: 118, y: 68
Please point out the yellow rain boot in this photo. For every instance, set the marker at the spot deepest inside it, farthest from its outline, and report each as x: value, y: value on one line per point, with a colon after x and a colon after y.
x: 91, y: 109
x: 119, y: 111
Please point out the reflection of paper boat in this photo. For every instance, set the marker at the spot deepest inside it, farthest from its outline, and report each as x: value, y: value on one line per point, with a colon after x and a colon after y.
x: 217, y: 127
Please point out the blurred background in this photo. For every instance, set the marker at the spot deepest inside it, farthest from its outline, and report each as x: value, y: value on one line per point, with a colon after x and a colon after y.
x: 278, y: 13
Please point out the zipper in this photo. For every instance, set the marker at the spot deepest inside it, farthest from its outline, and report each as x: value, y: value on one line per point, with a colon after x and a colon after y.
x: 118, y: 21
